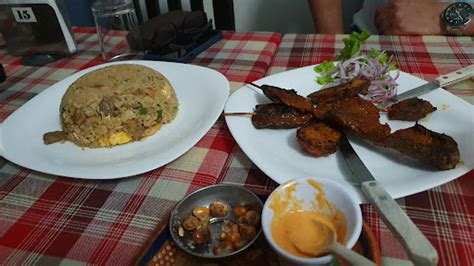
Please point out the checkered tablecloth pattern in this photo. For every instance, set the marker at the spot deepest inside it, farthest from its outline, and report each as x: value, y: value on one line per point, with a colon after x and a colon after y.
x: 445, y: 214
x: 50, y: 220
x: 242, y: 57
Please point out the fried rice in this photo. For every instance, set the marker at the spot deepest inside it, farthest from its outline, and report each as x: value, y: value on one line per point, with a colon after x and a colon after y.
x: 116, y: 105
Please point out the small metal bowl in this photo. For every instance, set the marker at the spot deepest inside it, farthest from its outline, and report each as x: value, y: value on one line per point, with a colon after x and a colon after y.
x: 232, y: 195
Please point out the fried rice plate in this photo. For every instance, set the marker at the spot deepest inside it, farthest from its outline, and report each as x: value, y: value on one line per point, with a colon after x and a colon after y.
x: 116, y: 105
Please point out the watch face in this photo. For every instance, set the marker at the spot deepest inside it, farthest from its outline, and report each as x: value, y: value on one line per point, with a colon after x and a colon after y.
x: 458, y: 14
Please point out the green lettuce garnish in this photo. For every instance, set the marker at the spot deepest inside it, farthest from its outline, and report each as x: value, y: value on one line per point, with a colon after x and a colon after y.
x: 326, y: 68
x: 325, y: 79
x: 383, y: 58
x: 351, y: 47
x: 352, y: 44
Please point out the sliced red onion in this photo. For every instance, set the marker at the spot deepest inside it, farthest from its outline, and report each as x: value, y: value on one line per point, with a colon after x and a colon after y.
x: 383, y: 86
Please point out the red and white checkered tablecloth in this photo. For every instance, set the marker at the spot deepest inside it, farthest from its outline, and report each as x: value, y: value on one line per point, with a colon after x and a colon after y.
x: 50, y: 220
x: 445, y: 214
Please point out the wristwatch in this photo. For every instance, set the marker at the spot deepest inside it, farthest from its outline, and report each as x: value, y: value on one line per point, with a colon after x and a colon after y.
x: 456, y: 17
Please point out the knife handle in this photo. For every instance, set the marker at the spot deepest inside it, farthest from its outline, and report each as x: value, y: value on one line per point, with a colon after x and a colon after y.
x: 455, y: 76
x: 419, y: 249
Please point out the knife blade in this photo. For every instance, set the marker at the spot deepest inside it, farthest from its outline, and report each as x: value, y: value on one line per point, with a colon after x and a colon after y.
x: 441, y: 81
x: 420, y: 250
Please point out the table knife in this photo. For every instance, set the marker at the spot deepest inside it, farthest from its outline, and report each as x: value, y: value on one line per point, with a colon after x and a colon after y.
x: 441, y: 81
x: 420, y: 250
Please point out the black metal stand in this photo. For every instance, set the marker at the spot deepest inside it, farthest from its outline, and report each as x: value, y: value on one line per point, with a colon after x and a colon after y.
x: 40, y: 59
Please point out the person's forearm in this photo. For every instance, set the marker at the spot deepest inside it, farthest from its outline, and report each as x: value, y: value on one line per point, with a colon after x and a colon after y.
x: 414, y: 17
x: 327, y: 16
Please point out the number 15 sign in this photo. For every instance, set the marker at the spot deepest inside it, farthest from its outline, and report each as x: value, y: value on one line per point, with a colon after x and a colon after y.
x: 24, y: 14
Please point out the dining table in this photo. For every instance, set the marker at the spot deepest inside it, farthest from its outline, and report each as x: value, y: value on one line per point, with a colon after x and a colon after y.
x: 51, y: 220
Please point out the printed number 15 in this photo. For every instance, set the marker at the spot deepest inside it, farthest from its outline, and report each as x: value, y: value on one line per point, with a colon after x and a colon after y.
x: 23, y: 14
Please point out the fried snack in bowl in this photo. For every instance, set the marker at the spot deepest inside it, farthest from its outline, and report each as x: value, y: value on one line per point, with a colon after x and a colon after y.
x: 216, y: 221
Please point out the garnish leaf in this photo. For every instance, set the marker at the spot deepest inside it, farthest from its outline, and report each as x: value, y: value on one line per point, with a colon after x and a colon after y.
x: 352, y: 44
x: 323, y: 80
x: 326, y: 66
x: 142, y: 111
x: 383, y: 58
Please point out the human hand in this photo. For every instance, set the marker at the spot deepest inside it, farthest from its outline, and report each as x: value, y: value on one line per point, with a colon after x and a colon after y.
x: 410, y: 17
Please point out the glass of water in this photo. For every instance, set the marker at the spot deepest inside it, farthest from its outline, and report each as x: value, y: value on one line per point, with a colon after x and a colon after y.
x: 113, y: 20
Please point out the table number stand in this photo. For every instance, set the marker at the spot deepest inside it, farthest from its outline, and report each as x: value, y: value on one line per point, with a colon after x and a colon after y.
x: 37, y: 30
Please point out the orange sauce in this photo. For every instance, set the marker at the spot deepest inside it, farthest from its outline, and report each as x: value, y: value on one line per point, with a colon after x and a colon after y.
x: 293, y: 226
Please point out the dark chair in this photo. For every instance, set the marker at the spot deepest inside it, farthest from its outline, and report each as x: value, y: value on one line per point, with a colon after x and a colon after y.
x: 223, y: 10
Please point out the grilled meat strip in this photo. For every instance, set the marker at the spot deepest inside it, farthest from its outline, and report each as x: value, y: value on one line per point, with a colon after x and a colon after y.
x: 342, y: 108
x: 277, y: 115
x: 288, y: 97
x: 346, y: 90
x: 437, y: 150
x: 318, y: 138
x: 412, y: 109
x: 55, y: 136
x: 355, y: 114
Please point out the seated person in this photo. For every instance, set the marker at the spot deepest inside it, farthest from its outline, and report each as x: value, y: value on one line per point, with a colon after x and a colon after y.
x: 397, y: 17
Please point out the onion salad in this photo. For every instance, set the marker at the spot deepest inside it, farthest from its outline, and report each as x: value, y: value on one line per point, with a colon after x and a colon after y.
x: 351, y: 63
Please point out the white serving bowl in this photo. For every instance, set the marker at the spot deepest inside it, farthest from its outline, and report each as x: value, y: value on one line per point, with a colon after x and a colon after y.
x: 336, y: 194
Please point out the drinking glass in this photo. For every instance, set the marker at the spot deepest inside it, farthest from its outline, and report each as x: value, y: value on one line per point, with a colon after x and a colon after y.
x: 113, y: 20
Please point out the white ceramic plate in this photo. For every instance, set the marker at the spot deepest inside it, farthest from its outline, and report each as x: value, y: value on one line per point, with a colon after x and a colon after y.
x: 201, y: 92
x: 277, y: 154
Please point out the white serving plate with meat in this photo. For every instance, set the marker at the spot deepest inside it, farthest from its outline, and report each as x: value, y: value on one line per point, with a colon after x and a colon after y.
x: 277, y: 154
